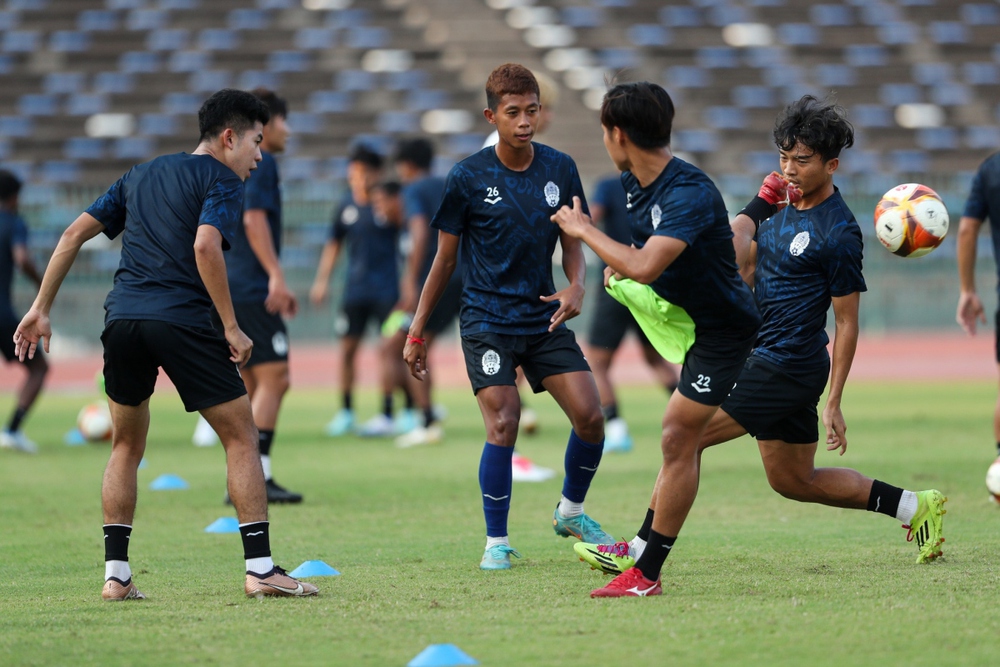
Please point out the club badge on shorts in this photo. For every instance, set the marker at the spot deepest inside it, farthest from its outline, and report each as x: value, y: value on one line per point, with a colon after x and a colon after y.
x: 491, y: 362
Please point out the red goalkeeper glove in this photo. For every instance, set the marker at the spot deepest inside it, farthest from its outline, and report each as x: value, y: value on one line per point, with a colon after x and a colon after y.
x: 775, y: 194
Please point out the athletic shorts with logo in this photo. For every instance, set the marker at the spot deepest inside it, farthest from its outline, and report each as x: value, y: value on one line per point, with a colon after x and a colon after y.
x: 610, y: 323
x: 359, y: 313
x: 713, y: 363
x: 492, y: 359
x: 196, y: 360
x: 772, y: 403
x: 266, y: 330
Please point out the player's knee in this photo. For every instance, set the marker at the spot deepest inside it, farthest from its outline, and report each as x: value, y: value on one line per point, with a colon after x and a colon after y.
x: 590, y: 426
x: 502, y: 429
x: 677, y: 444
x: 788, y: 484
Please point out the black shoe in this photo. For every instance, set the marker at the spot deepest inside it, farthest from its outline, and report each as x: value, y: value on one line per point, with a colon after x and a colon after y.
x: 279, y: 494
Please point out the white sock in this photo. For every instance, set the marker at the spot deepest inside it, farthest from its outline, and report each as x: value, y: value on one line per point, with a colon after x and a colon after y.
x: 637, y: 546
x: 493, y: 541
x: 260, y: 565
x: 265, y: 462
x: 568, y: 509
x: 907, y: 507
x: 118, y: 569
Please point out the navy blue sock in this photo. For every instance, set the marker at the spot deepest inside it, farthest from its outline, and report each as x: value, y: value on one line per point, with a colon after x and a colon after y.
x: 495, y: 482
x: 582, y: 459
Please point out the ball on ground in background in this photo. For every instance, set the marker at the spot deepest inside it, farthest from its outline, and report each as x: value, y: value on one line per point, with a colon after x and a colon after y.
x: 993, y: 480
x: 911, y: 220
x: 94, y: 422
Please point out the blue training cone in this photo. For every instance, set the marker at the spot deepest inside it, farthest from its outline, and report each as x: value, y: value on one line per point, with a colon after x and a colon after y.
x: 313, y: 568
x: 441, y: 655
x: 226, y: 524
x: 168, y: 483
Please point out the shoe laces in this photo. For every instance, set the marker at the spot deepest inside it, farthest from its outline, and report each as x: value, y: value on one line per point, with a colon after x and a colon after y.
x: 619, y: 549
x: 909, y: 532
x: 498, y: 551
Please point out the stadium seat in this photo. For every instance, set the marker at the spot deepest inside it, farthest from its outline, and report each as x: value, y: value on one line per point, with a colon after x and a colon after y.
x: 696, y: 141
x: 834, y: 75
x: 649, y: 34
x: 299, y: 168
x: 898, y: 32
x: 423, y: 99
x: 764, y: 56
x: 114, y: 82
x: 259, y: 79
x: 329, y: 101
x: 788, y: 75
x: 315, y: 38
x: 34, y: 104
x: 218, y: 39
x: 181, y: 104
x: 879, y: 13
x: 368, y: 37
x: 158, y: 125
x: 146, y: 19
x: 726, y: 118
x: 408, y: 80
x: 60, y: 171
x: 895, y: 94
x: 982, y: 137
x: 306, y: 123
x: 613, y: 3
x: 619, y: 58
x: 397, y: 122
x: 171, y: 39
x: 760, y: 162
x: 861, y: 161
x: 288, y: 61
x: 681, y: 16
x: 86, y: 104
x: 717, y: 57
x: 865, y: 55
x: 96, y: 20
x: 135, y: 62
x: 69, y: 41
x: 5, y: 148
x: 870, y: 115
x: 6, y: 64
x: 209, y: 81
x: 908, y: 161
x: 952, y: 94
x: 84, y: 148
x: 279, y: 4
x: 133, y: 148
x: 354, y: 79
x: 64, y: 82
x: 189, y: 61
x: 462, y: 145
x: 937, y: 138
x: 20, y: 41
x: 687, y: 76
x: 753, y: 97
x: 981, y: 74
x: 948, y: 32
x: 583, y: 17
x: 248, y: 19
x: 721, y: 15
x: 831, y: 15
x: 348, y: 18
x: 16, y: 126
x: 933, y: 74
x: 9, y: 20
x: 179, y: 4
x: 798, y: 34
x: 980, y: 14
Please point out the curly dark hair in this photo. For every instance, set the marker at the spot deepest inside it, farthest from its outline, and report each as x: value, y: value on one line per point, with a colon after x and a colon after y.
x: 642, y: 110
x: 821, y: 126
x: 228, y: 108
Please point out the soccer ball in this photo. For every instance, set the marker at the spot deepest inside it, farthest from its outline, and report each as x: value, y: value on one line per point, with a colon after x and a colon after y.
x: 94, y: 422
x: 911, y: 220
x: 993, y: 480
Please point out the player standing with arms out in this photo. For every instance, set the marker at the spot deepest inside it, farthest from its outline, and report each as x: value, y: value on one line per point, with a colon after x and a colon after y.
x: 683, y: 251
x: 495, y: 205
x: 612, y: 320
x: 983, y: 203
x: 14, y: 253
x: 176, y: 215
x: 802, y: 258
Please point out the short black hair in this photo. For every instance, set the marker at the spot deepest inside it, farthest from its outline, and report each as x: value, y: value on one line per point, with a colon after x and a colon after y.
x: 418, y: 152
x: 229, y: 108
x: 366, y: 155
x: 642, y: 110
x: 10, y: 185
x: 389, y: 188
x: 276, y: 106
x: 821, y: 126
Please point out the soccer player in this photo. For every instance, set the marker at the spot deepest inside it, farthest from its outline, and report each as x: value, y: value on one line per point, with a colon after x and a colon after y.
x: 802, y: 259
x: 983, y: 203
x: 372, y: 286
x: 495, y: 205
x: 14, y: 253
x: 683, y: 253
x: 421, y: 197
x: 612, y: 320
x: 176, y: 215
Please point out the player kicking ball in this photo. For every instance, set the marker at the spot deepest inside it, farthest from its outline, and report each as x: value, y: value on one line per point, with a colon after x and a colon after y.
x: 802, y: 258
x: 496, y: 204
x: 176, y: 215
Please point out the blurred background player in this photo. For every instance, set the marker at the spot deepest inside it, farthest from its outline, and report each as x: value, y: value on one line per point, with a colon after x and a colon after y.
x: 14, y: 255
x: 371, y: 287
x: 983, y: 203
x: 611, y: 320
x: 495, y: 204
x: 422, y: 195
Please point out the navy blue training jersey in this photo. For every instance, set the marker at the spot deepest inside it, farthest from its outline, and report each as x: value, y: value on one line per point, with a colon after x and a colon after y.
x: 247, y: 278
x: 372, y: 253
x: 683, y: 203
x: 422, y: 198
x: 609, y: 194
x: 13, y: 232
x: 984, y: 201
x: 803, y: 259
x: 159, y: 206
x: 507, y: 239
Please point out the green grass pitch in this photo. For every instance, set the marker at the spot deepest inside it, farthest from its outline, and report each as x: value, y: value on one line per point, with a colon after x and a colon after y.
x: 754, y: 580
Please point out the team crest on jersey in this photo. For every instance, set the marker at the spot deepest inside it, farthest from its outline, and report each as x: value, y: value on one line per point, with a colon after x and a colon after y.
x: 491, y: 362
x: 279, y: 343
x: 799, y: 244
x: 655, y: 214
x: 551, y: 193
x: 628, y: 200
x: 350, y: 215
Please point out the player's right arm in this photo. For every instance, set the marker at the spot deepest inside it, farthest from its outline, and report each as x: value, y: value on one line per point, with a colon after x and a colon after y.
x: 35, y: 325
x: 327, y: 260
x: 420, y: 231
x: 970, y: 307
x: 445, y: 261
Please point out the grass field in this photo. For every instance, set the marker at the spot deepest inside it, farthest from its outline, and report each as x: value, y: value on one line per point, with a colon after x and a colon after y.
x: 754, y: 580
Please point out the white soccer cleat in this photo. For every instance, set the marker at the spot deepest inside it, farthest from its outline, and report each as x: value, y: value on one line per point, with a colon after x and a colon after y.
x: 616, y: 436
x: 378, y: 426
x: 529, y: 421
x: 18, y: 441
x: 524, y: 470
x: 204, y: 435
x: 421, y: 435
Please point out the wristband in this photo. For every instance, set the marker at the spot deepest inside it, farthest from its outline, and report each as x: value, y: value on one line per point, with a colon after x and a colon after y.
x: 759, y: 210
x: 414, y: 339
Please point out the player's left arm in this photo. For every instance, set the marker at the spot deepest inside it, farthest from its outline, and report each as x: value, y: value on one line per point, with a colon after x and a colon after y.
x: 279, y: 299
x: 845, y: 342
x: 575, y: 267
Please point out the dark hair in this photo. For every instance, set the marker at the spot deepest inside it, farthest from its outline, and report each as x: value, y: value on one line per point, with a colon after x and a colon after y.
x: 389, y: 188
x: 234, y: 109
x: 366, y: 155
x: 10, y: 185
x: 642, y: 110
x: 820, y: 126
x: 276, y: 106
x: 418, y: 152
x: 510, y: 79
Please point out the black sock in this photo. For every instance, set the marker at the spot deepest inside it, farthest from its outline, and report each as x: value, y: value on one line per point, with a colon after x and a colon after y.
x: 387, y: 405
x: 429, y: 417
x: 657, y: 549
x: 266, y: 439
x: 647, y: 525
x: 610, y: 412
x: 256, y: 543
x: 407, y: 399
x: 998, y: 449
x: 347, y: 400
x: 16, y: 419
x: 116, y: 539
x: 884, y: 498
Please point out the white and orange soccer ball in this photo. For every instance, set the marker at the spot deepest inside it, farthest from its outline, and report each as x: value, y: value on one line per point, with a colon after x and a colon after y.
x: 94, y: 422
x: 911, y: 220
x: 993, y: 480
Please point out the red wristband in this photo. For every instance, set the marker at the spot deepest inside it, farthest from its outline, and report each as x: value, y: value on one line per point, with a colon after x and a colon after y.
x: 414, y: 339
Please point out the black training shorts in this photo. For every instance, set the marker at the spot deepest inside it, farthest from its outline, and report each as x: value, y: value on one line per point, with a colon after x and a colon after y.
x: 492, y: 359
x: 713, y: 363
